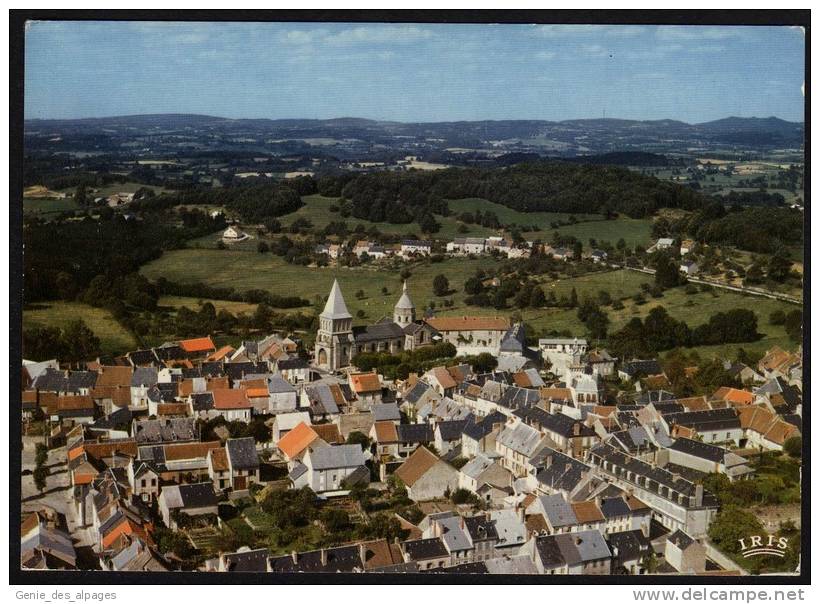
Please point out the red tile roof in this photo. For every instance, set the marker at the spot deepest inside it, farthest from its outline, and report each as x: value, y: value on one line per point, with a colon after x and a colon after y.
x: 297, y: 440
x: 231, y: 398
x: 198, y: 345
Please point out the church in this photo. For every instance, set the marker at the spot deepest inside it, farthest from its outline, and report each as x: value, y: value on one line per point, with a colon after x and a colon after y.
x: 337, y: 341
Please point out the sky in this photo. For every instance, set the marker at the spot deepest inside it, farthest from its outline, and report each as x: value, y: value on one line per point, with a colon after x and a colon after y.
x: 412, y: 72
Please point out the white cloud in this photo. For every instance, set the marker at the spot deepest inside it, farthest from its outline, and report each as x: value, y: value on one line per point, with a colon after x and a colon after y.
x: 610, y: 31
x: 696, y: 32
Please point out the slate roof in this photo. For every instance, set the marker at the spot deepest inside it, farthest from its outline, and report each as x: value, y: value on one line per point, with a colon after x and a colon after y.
x: 628, y: 546
x: 292, y: 363
x: 242, y: 453
x: 416, y: 392
x: 451, y: 430
x: 425, y: 549
x: 641, y: 367
x: 278, y: 385
x: 378, y: 332
x: 343, y: 559
x: 142, y: 357
x: 144, y: 376
x: 340, y: 456
x: 654, y: 396
x: 517, y: 398
x: 484, y: 426
x: 415, y: 433
x: 480, y: 528
x: 563, y: 473
x: 521, y: 438
x: 164, y: 430
x: 385, y: 412
x: 202, y: 401
x: 324, y: 399
x: 713, y: 419
x: 253, y: 561
x: 197, y: 495
x: 680, y: 539
x: 699, y: 449
x: 558, y: 512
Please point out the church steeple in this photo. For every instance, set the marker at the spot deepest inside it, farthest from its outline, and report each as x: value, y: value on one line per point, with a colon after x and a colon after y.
x: 335, y: 307
x: 404, y: 312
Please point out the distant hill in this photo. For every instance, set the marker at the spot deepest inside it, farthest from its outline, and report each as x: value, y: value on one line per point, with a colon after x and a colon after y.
x: 566, y: 138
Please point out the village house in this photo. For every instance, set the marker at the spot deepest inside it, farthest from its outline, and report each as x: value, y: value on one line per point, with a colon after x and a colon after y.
x: 233, y: 234
x: 368, y: 389
x: 190, y: 499
x: 331, y: 468
x: 685, y: 554
x: 471, y: 335
x: 426, y: 476
x: 414, y: 247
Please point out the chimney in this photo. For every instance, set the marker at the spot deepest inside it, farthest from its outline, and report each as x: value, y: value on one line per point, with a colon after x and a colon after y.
x: 324, y: 556
x: 294, y: 556
x: 698, y: 495
x: 576, y: 429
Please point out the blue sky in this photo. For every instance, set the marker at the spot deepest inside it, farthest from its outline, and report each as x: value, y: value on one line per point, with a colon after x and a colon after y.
x: 409, y: 72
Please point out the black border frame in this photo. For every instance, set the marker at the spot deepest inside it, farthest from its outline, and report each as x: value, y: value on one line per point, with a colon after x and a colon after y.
x: 17, y: 20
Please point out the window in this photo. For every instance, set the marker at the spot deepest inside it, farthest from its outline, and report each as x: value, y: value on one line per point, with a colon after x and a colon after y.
x: 144, y: 482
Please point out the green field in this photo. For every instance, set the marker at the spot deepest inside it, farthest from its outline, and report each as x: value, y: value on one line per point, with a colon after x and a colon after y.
x: 114, y: 338
x: 235, y: 308
x: 540, y: 220
x: 250, y: 270
x: 634, y: 231
x: 48, y: 205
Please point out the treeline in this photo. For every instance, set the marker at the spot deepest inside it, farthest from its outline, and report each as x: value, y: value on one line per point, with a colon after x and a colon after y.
x: 251, y: 296
x: 399, y: 366
x: 754, y: 198
x: 545, y: 186
x: 61, y: 258
x: 73, y: 343
x: 256, y: 202
x: 757, y: 229
x: 659, y: 331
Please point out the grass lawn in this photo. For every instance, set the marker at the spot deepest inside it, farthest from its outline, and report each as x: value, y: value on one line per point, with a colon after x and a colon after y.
x: 114, y: 338
x: 506, y: 215
x: 48, y: 205
x: 635, y: 231
x: 175, y: 302
x: 251, y: 270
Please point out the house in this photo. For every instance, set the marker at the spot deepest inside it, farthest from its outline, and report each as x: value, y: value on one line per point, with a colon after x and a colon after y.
x: 636, y: 369
x: 517, y: 443
x: 142, y: 380
x: 598, y: 256
x: 677, y: 502
x: 193, y: 500
x: 483, y: 470
x: 160, y: 431
x: 471, y: 335
x: 765, y: 429
x: 426, y: 476
x: 684, y: 554
x: 386, y: 437
x: 582, y: 553
x: 560, y: 353
x: 232, y: 404
x: 73, y: 409
x: 322, y: 401
x: 426, y: 554
x: 686, y: 246
x: 244, y: 560
x: 44, y: 545
x: 296, y: 441
x: 664, y: 243
x: 365, y: 556
x: 285, y: 422
x: 629, y: 550
x: 198, y: 347
x: 386, y: 412
x: 368, y: 389
x: 559, y: 517
x: 234, y: 234
x: 479, y: 435
x: 689, y: 267
x: 447, y: 434
x: 294, y: 370
x: 243, y: 462
x: 144, y: 478
x: 568, y: 435
x: 411, y: 436
x: 466, y: 245
x: 282, y: 395
x: 333, y: 468
x: 706, y: 458
x: 413, y: 247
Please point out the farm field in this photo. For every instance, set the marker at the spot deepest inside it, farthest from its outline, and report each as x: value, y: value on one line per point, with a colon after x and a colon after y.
x: 48, y: 205
x: 114, y: 338
x: 507, y: 215
x: 250, y: 270
x: 634, y: 231
x: 235, y: 308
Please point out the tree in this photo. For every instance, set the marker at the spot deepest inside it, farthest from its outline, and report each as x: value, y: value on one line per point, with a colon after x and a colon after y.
x: 483, y: 363
x: 666, y: 272
x: 473, y: 286
x: 262, y: 247
x: 537, y: 298
x: 794, y: 446
x: 732, y: 524
x: 441, y: 286
x: 778, y: 317
x: 794, y: 325
x: 358, y: 438
x: 573, y: 298
x: 79, y: 342
x: 40, y: 474
x: 779, y: 267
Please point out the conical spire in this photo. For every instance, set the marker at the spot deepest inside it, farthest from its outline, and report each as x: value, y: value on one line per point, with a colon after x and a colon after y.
x: 335, y: 307
x: 404, y: 302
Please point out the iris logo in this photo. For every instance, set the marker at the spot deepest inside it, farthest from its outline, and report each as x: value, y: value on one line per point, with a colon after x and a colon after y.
x: 768, y: 545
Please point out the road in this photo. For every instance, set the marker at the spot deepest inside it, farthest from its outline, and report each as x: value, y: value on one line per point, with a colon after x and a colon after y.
x: 717, y: 284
